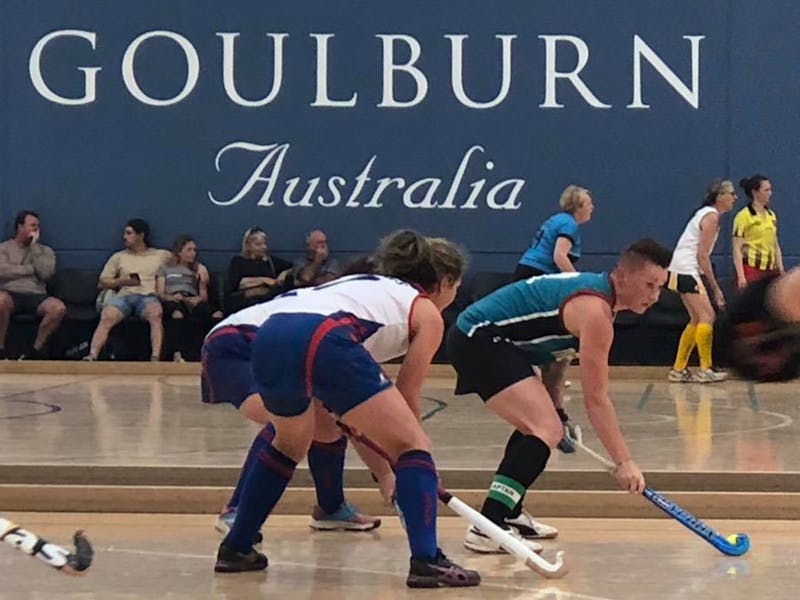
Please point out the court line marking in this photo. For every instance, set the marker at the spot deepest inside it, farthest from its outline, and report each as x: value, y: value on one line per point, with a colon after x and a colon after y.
x: 536, y: 593
x: 648, y: 390
x: 751, y: 392
x: 52, y: 408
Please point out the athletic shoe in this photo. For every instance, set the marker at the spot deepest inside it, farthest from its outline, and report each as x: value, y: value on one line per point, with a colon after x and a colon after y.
x: 231, y: 561
x: 709, y: 376
x: 682, y: 376
x: 440, y: 572
x: 479, y: 542
x: 225, y: 522
x: 566, y: 445
x: 531, y: 529
x: 347, y: 518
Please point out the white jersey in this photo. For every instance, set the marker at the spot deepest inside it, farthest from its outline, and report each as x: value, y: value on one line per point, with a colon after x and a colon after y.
x: 684, y: 257
x: 384, y: 301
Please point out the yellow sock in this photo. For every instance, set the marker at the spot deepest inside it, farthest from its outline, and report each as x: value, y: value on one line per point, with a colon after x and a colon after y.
x: 685, y: 347
x: 704, y: 336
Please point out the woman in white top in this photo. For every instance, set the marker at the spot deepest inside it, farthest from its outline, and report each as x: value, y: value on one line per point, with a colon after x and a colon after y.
x: 690, y: 260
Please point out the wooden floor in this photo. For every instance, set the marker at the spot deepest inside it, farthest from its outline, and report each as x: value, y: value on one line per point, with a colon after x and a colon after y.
x: 105, y: 445
x: 171, y: 557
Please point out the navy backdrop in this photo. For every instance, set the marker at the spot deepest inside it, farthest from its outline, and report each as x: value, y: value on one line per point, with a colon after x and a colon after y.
x: 486, y: 177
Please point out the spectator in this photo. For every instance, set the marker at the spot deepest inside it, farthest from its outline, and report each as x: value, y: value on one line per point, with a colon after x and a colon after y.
x: 756, y: 252
x: 25, y: 266
x: 182, y: 287
x: 254, y: 276
x: 557, y: 243
x: 130, y: 275
x: 317, y: 266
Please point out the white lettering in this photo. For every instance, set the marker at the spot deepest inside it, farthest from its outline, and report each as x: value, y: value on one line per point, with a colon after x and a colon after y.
x: 192, y: 68
x: 641, y: 49
x: 457, y: 71
x: 89, y: 73
x: 229, y: 72
x: 551, y: 74
x: 389, y: 67
x: 322, y: 98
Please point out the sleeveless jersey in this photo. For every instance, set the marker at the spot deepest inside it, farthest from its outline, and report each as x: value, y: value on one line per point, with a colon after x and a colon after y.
x: 382, y: 305
x: 684, y: 258
x: 528, y: 313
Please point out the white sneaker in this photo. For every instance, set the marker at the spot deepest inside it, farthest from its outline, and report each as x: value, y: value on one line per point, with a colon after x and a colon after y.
x: 682, y: 376
x: 709, y: 376
x: 531, y: 529
x: 477, y: 541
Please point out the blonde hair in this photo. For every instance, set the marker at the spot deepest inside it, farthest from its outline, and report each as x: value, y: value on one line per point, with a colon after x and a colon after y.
x: 247, y: 234
x: 571, y: 200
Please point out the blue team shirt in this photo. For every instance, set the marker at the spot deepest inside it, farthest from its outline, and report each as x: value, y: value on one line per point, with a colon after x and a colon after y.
x: 540, y: 254
x: 528, y: 313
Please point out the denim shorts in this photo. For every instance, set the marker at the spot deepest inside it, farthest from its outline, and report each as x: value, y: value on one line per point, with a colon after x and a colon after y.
x: 132, y: 304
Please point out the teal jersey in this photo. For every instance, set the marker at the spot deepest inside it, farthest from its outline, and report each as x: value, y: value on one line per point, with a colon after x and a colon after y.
x: 528, y: 313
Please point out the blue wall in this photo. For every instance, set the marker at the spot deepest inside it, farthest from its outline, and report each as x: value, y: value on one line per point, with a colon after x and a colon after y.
x: 89, y: 167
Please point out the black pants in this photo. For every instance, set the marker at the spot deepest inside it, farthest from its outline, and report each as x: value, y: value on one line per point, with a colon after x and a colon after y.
x: 184, y: 335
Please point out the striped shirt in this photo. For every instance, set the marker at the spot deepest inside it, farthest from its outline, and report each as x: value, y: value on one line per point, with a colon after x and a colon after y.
x: 760, y: 235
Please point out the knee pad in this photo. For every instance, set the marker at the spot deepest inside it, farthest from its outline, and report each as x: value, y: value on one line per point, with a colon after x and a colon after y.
x: 756, y: 343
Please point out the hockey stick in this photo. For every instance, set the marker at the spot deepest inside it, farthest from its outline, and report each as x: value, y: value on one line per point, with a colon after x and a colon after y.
x: 72, y: 563
x: 533, y: 561
x: 735, y: 544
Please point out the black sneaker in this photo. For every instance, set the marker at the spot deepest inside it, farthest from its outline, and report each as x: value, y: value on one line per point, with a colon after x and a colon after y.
x: 440, y: 572
x: 3, y: 355
x: 231, y: 561
x: 32, y: 354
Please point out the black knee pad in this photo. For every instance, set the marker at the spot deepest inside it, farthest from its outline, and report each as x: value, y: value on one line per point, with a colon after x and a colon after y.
x: 755, y: 342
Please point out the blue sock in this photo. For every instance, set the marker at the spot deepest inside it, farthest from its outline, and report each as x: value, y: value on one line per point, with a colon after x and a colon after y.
x: 263, y: 487
x: 263, y: 439
x: 326, y: 463
x: 416, y: 496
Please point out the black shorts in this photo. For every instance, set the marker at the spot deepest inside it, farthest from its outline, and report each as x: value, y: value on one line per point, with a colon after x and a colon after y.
x: 485, y: 365
x: 686, y: 284
x: 26, y: 304
x: 525, y: 272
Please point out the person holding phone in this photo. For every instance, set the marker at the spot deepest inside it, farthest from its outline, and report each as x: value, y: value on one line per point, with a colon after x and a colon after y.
x: 131, y: 275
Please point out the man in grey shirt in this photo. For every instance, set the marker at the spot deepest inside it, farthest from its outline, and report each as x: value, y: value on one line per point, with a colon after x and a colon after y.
x: 25, y: 266
x: 317, y: 266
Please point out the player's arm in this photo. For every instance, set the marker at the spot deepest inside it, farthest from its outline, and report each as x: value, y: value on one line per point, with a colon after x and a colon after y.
x: 427, y: 329
x: 561, y: 254
x: 709, y: 225
x: 589, y: 317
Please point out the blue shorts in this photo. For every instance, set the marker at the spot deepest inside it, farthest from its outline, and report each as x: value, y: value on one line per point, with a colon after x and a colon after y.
x: 132, y: 304
x: 297, y: 357
x: 226, y: 372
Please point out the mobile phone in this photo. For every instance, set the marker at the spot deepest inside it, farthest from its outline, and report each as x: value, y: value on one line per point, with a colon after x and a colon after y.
x: 135, y: 276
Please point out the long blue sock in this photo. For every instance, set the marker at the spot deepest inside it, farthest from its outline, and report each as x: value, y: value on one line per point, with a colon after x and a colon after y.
x: 326, y: 463
x: 416, y: 495
x: 262, y: 440
x: 264, y: 485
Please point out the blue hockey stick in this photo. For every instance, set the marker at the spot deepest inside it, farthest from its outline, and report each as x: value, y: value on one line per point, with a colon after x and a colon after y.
x: 732, y: 545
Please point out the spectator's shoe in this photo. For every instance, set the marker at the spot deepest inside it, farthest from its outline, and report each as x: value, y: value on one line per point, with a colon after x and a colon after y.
x: 567, y: 384
x: 32, y: 354
x: 225, y: 522
x: 440, y: 572
x: 531, y: 529
x: 479, y: 542
x: 710, y: 376
x: 682, y: 376
x: 3, y: 355
x: 89, y: 358
x: 231, y: 561
x: 347, y: 518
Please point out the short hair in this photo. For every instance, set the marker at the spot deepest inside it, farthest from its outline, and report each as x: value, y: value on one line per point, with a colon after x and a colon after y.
x: 646, y: 250
x: 247, y: 233
x: 570, y: 200
x: 717, y: 187
x: 140, y: 226
x: 19, y: 220
x: 750, y: 184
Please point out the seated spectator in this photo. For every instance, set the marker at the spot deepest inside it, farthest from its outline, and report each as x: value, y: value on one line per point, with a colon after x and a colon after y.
x: 317, y: 266
x: 130, y: 275
x: 255, y: 275
x: 182, y: 287
x: 25, y: 266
